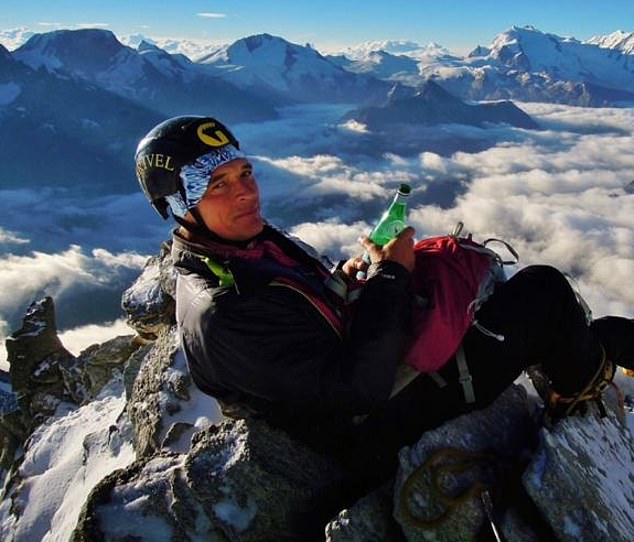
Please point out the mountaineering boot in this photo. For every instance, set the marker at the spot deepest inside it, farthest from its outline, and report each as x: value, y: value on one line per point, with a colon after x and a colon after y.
x: 559, y: 406
x: 616, y: 334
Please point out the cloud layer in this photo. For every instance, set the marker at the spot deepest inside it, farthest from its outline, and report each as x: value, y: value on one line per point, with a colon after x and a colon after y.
x: 562, y: 195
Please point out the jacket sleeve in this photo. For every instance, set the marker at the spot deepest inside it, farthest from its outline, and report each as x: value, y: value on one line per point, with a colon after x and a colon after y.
x: 276, y: 347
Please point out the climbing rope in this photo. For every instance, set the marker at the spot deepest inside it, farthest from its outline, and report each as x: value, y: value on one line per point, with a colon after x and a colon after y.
x: 443, y: 462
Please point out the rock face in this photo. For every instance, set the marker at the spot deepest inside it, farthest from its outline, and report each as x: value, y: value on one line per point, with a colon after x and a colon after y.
x: 582, y: 479
x: 149, y: 302
x: 241, y: 480
x: 164, y: 406
x: 35, y: 354
x: 86, y: 375
x: 369, y: 520
x: 438, y: 493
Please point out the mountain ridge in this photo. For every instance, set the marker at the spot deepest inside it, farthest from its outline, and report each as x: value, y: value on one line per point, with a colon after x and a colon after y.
x: 290, y: 70
x: 432, y: 104
x: 169, y: 84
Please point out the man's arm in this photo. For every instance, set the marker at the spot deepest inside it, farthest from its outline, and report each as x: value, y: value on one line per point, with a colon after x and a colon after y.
x: 277, y: 347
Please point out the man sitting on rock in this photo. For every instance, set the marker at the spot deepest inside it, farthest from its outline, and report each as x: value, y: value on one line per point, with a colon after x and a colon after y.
x: 266, y: 332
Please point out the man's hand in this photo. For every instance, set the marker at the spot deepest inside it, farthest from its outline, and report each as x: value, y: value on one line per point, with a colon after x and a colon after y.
x: 399, y: 250
x: 353, y: 266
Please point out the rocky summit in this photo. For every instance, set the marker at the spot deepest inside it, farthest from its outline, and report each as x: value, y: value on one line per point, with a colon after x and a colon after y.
x: 116, y: 444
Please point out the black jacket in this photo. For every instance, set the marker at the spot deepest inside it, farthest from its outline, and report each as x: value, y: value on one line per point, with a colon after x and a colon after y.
x: 269, y: 348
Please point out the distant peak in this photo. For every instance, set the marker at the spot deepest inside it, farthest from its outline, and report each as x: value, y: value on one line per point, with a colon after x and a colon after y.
x: 258, y: 40
x: 85, y: 37
x: 429, y: 90
x: 146, y: 46
x: 524, y: 28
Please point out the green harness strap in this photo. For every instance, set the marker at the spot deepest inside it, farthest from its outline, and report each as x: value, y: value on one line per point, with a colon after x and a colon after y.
x: 225, y: 276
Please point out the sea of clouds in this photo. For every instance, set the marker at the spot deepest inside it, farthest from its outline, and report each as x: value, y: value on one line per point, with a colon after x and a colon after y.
x: 562, y: 195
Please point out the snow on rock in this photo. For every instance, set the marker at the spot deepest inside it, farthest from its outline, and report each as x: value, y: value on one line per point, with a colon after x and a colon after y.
x: 240, y: 481
x: 152, y: 78
x: 582, y: 478
x: 65, y: 458
x: 298, y: 72
x: 566, y: 58
x: 165, y: 407
x: 526, y: 64
x: 619, y: 40
x: 138, y: 504
x: 93, y: 368
x: 149, y: 302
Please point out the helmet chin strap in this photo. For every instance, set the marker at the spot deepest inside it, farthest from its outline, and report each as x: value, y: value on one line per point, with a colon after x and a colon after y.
x: 198, y: 227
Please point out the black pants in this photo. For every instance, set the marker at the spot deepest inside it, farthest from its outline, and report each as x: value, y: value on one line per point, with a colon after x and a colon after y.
x: 542, y: 323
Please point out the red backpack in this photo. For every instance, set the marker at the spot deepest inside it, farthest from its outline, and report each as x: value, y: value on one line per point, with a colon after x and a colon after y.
x: 453, y: 276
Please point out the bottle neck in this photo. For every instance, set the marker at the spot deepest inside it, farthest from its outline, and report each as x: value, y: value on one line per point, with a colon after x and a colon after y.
x: 400, y: 199
x: 398, y: 205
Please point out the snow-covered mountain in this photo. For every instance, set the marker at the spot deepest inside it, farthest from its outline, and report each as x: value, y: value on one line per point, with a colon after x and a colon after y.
x: 521, y: 63
x: 431, y: 104
x: 399, y: 61
x: 526, y: 64
x: 192, y: 49
x: 564, y: 58
x: 619, y: 40
x: 264, y: 62
x: 169, y: 84
x: 62, y: 131
x: 410, y: 49
x: 381, y: 65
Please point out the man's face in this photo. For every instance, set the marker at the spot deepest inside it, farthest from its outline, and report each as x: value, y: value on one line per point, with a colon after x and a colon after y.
x: 230, y: 206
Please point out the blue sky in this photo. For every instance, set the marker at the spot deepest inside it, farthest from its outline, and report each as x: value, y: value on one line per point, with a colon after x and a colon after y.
x: 456, y: 24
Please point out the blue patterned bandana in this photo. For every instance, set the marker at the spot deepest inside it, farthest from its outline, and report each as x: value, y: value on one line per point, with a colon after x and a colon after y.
x: 196, y: 177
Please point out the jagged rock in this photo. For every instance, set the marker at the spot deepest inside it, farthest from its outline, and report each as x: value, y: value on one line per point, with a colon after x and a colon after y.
x: 502, y: 433
x: 368, y: 520
x: 149, y: 302
x: 241, y: 481
x: 164, y: 400
x: 86, y: 375
x: 35, y: 354
x: 149, y: 485
x: 63, y: 459
x: 582, y: 477
x: 13, y: 432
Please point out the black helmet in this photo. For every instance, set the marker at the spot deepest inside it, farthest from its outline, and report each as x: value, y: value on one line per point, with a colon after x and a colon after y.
x: 171, y: 145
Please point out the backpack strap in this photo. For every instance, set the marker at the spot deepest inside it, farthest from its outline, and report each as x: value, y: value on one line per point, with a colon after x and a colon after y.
x: 512, y: 251
x: 438, y: 380
x: 465, y: 379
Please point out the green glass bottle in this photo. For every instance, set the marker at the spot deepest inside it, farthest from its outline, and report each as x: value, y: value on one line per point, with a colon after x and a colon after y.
x: 393, y: 220
x: 391, y: 223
